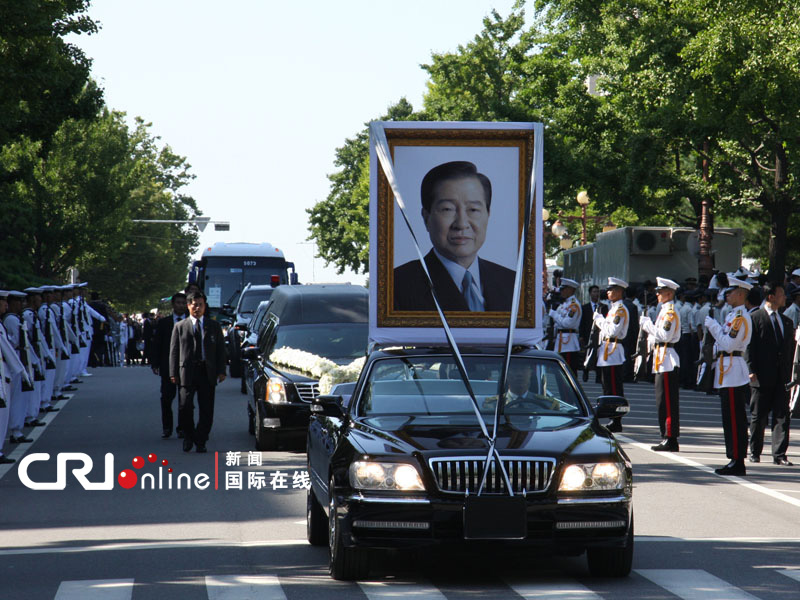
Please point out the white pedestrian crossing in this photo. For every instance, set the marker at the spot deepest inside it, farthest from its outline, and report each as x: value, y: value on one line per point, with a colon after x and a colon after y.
x: 244, y: 587
x: 95, y: 589
x: 381, y: 590
x: 558, y: 590
x: 687, y: 584
x: 694, y: 584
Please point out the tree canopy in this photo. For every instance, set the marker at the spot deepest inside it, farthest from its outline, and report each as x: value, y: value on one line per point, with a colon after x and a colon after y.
x: 690, y: 101
x: 74, y: 175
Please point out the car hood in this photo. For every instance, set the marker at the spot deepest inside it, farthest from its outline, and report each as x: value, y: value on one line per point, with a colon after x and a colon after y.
x: 548, y: 437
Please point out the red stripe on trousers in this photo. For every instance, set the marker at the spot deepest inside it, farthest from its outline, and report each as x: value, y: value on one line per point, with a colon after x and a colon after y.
x: 734, y: 432
x: 613, y: 381
x: 669, y: 412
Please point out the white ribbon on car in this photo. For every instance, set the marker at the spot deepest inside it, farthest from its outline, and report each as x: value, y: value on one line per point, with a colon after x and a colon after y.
x: 384, y: 157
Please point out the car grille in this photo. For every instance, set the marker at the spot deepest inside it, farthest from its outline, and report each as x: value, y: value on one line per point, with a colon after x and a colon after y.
x: 307, y: 391
x: 462, y: 474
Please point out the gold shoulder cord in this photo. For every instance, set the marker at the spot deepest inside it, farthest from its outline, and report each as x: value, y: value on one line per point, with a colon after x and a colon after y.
x: 659, y: 360
x: 736, y: 324
x: 621, y: 310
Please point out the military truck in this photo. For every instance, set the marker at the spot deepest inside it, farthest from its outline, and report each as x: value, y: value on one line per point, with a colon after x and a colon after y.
x: 637, y: 254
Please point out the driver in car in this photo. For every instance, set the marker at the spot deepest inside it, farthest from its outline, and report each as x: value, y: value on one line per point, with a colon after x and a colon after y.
x: 519, y: 395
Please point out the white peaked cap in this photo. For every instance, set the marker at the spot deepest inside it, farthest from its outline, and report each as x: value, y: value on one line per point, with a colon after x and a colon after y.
x: 617, y: 282
x: 733, y: 282
x: 663, y: 282
x: 569, y: 282
x: 796, y: 273
x: 16, y: 294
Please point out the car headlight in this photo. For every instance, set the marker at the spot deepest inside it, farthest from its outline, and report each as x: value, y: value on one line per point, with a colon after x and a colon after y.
x: 369, y: 475
x: 276, y: 392
x: 591, y: 477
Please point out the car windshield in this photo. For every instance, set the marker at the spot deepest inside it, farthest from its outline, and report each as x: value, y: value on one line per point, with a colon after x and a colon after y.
x: 339, y: 342
x: 432, y: 386
x: 251, y: 299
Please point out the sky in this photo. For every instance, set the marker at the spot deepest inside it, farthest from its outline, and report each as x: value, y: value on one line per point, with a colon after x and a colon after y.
x: 258, y: 94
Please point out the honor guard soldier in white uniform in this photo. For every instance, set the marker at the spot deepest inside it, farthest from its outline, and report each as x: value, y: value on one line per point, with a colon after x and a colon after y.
x: 731, y: 375
x: 22, y: 387
x: 47, y: 365
x: 10, y: 368
x: 567, y: 319
x: 48, y: 321
x: 611, y: 352
x: 664, y: 335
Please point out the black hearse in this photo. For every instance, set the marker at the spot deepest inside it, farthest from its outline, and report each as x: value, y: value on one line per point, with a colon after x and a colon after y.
x: 308, y: 323
x: 399, y: 461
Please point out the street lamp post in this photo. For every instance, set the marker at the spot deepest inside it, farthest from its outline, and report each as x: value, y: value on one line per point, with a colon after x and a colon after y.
x: 583, y: 201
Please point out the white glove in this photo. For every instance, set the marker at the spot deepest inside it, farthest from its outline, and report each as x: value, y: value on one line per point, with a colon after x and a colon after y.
x: 644, y: 319
x: 553, y: 313
x: 709, y: 322
x: 598, y: 318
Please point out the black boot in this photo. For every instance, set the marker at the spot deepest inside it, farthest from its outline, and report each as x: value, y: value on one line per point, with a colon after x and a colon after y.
x: 735, y: 467
x: 667, y: 445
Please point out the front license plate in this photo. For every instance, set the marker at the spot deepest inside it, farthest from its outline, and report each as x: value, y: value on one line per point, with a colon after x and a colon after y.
x: 495, y: 518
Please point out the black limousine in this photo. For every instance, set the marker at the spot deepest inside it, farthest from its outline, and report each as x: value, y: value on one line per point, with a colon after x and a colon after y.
x: 399, y: 463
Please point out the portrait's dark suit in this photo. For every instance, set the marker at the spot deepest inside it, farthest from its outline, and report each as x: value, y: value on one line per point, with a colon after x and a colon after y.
x: 194, y: 374
x: 159, y: 359
x: 411, y: 291
x: 771, y: 363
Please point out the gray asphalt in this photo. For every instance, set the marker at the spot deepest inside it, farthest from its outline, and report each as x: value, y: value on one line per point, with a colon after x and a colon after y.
x: 742, y: 533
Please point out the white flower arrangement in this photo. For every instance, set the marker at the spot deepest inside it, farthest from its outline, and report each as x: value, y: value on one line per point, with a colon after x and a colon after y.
x: 326, y: 371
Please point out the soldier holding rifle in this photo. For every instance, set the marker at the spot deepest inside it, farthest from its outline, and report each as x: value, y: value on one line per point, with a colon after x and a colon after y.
x: 611, y: 352
x: 664, y: 334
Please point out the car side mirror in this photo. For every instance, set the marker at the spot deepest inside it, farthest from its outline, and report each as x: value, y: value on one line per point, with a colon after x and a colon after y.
x: 327, y: 405
x: 250, y: 352
x: 610, y: 407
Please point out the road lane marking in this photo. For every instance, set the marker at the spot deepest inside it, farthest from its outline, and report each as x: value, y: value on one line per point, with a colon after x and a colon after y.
x: 153, y: 546
x: 380, y: 590
x: 694, y: 584
x: 566, y: 590
x: 690, y: 463
x: 34, y: 435
x: 244, y: 587
x: 95, y: 589
x: 791, y: 573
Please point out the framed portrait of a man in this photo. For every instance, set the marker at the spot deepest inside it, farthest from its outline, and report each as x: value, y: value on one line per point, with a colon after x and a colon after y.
x: 464, y: 187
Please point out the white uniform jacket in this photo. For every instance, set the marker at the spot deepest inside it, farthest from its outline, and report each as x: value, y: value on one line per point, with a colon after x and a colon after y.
x: 48, y: 317
x: 613, y: 329
x: 732, y: 339
x: 567, y: 320
x: 663, y: 335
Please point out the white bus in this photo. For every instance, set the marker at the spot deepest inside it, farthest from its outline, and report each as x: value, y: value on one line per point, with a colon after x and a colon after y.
x: 224, y: 269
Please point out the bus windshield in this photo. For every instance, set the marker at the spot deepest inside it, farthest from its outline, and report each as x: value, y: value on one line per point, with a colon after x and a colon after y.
x: 224, y: 278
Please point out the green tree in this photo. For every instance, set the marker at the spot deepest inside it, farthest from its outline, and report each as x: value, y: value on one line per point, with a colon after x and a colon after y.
x: 696, y: 80
x: 43, y: 79
x: 340, y: 224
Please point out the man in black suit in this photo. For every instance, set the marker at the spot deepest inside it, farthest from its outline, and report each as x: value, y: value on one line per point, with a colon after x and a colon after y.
x: 196, y: 364
x: 585, y: 332
x: 456, y: 200
x: 159, y: 360
x: 769, y: 358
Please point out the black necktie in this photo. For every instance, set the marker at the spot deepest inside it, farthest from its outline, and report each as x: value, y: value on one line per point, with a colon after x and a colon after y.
x: 198, y: 342
x: 777, y: 327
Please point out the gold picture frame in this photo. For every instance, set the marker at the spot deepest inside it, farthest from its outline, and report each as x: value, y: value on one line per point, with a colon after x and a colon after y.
x: 482, y: 140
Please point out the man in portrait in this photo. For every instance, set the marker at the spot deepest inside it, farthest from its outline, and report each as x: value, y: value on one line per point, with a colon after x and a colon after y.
x: 456, y: 203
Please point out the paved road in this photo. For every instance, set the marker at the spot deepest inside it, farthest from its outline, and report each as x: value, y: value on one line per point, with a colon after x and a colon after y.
x: 699, y: 535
